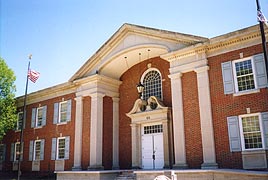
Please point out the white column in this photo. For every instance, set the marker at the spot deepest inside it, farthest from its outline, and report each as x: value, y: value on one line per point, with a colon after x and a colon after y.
x: 96, y: 131
x: 115, y: 133
x: 135, y: 146
x: 208, y: 144
x: 78, y: 133
x: 178, y: 121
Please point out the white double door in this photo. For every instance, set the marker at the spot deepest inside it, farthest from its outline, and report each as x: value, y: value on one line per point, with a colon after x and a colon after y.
x: 152, y: 151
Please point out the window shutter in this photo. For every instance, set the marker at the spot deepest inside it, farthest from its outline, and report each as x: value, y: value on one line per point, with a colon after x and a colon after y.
x: 264, y: 117
x: 261, y: 76
x: 12, y: 151
x: 69, y: 109
x: 31, y: 150
x: 3, y: 146
x: 42, y: 149
x: 234, y: 134
x: 67, y: 146
x: 44, y: 118
x: 21, y: 155
x: 33, y: 117
x: 53, y: 148
x: 56, y: 113
x: 227, y: 75
x: 24, y: 120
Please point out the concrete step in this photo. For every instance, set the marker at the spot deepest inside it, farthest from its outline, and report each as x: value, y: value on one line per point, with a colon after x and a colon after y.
x: 126, y: 175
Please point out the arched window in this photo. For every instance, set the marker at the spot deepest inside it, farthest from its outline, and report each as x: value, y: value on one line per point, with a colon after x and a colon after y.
x: 152, y: 82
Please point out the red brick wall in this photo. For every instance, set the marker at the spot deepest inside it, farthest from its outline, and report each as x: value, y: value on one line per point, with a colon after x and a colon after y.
x: 128, y: 95
x: 107, y: 149
x: 48, y: 132
x: 86, y: 132
x: 192, y: 127
x: 229, y: 105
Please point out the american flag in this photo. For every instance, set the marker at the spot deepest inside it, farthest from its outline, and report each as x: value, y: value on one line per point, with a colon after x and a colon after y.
x: 33, y: 75
x: 261, y: 17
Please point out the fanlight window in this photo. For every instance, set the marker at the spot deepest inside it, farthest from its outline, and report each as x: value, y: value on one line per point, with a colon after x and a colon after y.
x: 152, y: 85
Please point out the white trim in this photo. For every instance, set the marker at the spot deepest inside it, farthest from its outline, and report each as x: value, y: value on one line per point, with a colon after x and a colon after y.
x: 34, y: 154
x: 36, y: 117
x: 15, y: 151
x: 57, y: 148
x: 146, y: 72
x: 17, y: 124
x: 59, y: 120
x: 242, y: 134
x: 253, y: 72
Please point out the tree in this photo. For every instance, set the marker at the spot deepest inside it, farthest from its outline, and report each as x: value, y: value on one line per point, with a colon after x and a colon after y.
x: 8, y: 115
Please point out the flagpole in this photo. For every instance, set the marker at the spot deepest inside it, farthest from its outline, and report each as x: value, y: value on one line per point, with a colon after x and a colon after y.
x: 24, y: 118
x: 263, y: 39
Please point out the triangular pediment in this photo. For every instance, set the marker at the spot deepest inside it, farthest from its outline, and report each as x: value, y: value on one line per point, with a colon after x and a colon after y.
x: 130, y: 45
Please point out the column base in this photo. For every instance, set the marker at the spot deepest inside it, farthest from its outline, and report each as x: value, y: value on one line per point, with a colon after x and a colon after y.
x: 209, y: 166
x: 135, y: 167
x: 180, y: 166
x: 115, y: 167
x: 76, y: 168
x: 95, y: 168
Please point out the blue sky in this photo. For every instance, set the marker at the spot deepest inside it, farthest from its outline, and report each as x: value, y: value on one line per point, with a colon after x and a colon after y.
x: 62, y: 34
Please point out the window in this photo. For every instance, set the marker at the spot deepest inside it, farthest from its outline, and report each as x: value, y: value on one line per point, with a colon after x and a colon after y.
x: 62, y: 112
x: 152, y: 82
x: 248, y: 132
x: 244, y: 76
x: 60, y: 148
x: 39, y: 117
x: 19, y: 121
x: 17, y: 151
x: 251, y: 134
x: 153, y: 129
x: 37, y: 149
x: 2, y: 152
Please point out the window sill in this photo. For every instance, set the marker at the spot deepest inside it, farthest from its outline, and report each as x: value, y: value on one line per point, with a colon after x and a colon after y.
x: 253, y: 151
x: 39, y: 127
x: 246, y: 92
x: 62, y: 123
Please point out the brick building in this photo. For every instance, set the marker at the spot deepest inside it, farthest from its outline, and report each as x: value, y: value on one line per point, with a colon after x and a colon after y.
x: 204, y: 105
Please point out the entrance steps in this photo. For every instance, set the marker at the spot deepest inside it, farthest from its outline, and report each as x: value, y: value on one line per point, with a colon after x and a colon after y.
x: 126, y: 175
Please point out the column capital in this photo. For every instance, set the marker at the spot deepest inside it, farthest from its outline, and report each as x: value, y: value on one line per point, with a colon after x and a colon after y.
x: 97, y: 94
x: 78, y: 98
x: 116, y: 99
x: 201, y: 69
x: 175, y: 75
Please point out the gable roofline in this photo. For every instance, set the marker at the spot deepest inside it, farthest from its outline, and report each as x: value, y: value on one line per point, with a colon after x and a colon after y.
x: 239, y: 38
x: 131, y: 28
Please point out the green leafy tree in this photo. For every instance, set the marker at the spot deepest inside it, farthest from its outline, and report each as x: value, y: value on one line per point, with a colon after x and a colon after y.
x: 8, y: 115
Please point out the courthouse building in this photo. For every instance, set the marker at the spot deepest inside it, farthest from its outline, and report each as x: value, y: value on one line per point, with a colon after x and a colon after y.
x: 204, y: 105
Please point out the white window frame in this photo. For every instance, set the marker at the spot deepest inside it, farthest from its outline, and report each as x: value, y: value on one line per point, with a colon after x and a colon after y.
x: 18, y: 126
x: 60, y: 104
x: 242, y: 134
x: 39, y: 109
x: 235, y: 76
x: 146, y: 72
x: 57, y: 149
x: 34, y: 150
x: 16, y: 151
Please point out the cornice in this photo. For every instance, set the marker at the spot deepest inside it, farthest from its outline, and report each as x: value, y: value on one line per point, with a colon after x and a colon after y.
x: 221, y: 44
x: 48, y: 93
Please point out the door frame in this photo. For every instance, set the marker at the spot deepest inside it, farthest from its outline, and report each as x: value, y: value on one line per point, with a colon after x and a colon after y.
x: 159, y: 115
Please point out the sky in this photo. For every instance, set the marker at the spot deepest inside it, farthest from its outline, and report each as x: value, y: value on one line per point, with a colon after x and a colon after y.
x: 62, y: 35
